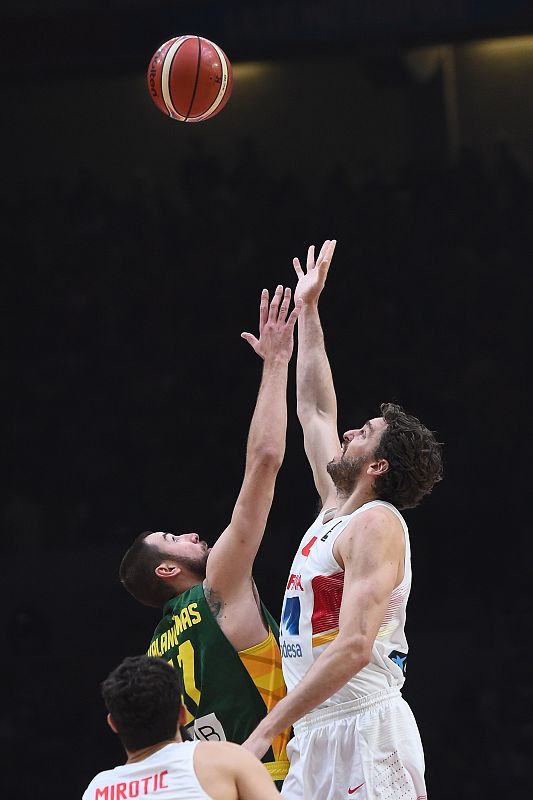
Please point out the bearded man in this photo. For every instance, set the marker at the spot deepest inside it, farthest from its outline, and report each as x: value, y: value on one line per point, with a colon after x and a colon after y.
x: 342, y: 636
x: 215, y: 630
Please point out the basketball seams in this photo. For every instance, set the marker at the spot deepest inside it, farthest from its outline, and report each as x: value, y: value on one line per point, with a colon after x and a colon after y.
x: 165, y: 76
x: 195, y: 87
x: 223, y: 83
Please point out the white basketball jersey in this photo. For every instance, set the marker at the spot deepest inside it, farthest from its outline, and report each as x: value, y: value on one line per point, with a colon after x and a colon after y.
x: 310, y: 615
x: 168, y: 774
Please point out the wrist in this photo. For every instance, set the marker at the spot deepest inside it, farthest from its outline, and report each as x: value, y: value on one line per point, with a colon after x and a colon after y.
x: 310, y: 305
x: 268, y: 728
x: 275, y: 361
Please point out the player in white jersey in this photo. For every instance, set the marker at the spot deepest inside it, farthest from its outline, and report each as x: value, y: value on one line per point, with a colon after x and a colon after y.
x: 143, y: 697
x: 342, y: 633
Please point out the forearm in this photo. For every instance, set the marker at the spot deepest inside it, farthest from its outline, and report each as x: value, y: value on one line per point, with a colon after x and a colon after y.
x: 314, y: 382
x: 266, y: 438
x: 334, y: 667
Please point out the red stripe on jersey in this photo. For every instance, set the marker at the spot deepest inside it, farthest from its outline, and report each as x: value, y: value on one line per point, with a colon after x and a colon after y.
x: 396, y: 599
x: 327, y: 596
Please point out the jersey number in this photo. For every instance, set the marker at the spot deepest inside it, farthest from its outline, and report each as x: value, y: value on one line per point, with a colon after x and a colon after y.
x: 186, y: 662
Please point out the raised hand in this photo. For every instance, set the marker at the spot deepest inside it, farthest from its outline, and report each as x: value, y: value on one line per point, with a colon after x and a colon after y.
x: 276, y: 329
x: 311, y: 282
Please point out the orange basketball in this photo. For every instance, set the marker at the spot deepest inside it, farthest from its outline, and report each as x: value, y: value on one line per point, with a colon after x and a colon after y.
x: 190, y: 78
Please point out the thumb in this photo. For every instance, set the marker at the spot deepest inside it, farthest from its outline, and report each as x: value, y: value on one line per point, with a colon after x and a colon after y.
x: 250, y: 338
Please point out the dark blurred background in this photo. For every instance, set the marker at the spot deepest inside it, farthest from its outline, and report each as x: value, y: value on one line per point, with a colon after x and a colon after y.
x: 133, y: 251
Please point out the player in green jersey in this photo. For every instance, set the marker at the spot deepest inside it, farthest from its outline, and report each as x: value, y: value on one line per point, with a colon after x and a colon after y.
x: 215, y: 630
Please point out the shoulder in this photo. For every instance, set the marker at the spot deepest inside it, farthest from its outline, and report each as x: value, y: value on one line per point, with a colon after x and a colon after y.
x: 183, y: 599
x: 227, y: 755
x: 379, y: 518
x: 375, y: 528
x: 102, y: 779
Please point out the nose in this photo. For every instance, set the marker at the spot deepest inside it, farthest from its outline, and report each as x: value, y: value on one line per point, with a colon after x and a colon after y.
x: 193, y: 537
x: 348, y: 436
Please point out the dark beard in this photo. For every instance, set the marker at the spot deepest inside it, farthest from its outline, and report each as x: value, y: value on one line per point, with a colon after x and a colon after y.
x: 345, y: 473
x: 196, y: 566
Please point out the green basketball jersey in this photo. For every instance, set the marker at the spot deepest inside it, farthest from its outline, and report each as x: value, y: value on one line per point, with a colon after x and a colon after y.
x: 226, y: 693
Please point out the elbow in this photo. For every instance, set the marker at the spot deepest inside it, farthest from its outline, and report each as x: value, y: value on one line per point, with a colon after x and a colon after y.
x: 357, y: 652
x: 306, y: 411
x: 268, y: 459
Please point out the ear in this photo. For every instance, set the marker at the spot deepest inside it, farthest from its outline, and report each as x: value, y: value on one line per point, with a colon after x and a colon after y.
x: 182, y: 718
x: 377, y: 468
x: 111, y: 723
x: 167, y: 570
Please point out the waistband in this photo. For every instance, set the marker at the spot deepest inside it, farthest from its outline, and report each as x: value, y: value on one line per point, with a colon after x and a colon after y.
x: 322, y: 716
x: 278, y: 769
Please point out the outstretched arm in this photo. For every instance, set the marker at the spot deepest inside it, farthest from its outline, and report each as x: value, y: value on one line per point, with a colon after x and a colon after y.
x: 229, y: 566
x: 317, y: 403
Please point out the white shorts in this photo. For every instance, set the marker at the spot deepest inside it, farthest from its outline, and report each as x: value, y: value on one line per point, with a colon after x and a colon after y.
x: 367, y: 749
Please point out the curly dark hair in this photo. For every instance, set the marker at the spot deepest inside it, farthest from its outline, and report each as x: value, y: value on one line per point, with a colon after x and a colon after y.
x: 143, y: 695
x: 137, y: 573
x: 414, y: 456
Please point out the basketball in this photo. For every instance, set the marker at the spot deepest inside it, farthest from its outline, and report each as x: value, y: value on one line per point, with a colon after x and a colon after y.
x: 190, y: 78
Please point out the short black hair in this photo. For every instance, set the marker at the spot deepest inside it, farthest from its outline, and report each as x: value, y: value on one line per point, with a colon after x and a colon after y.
x: 414, y: 456
x: 137, y: 573
x: 143, y: 695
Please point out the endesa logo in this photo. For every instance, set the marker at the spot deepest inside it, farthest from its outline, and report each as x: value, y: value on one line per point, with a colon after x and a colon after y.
x: 290, y: 650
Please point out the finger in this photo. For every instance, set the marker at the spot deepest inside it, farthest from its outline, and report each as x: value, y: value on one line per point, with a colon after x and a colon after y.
x: 263, y: 310
x: 311, y: 257
x: 274, y: 305
x: 297, y: 267
x: 291, y: 322
x: 323, y: 251
x: 323, y: 264
x: 282, y: 316
x: 250, y: 338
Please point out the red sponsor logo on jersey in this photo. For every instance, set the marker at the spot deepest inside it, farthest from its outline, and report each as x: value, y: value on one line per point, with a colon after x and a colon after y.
x: 306, y: 548
x: 295, y: 582
x: 353, y: 791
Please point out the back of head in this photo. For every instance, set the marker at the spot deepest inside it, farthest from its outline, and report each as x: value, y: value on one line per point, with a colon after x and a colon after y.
x: 414, y: 456
x: 143, y: 696
x: 137, y: 573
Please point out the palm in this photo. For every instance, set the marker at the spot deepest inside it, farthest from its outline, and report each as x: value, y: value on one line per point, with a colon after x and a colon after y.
x: 311, y: 282
x: 309, y: 286
x: 276, y: 325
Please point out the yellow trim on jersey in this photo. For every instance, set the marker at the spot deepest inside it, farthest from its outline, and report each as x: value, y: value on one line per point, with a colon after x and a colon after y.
x: 323, y: 638
x: 256, y: 648
x: 385, y: 630
x: 263, y: 664
x: 278, y: 769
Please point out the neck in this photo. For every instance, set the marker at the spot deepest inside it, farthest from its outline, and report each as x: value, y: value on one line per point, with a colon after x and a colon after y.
x: 186, y: 582
x: 347, y: 504
x: 145, y: 752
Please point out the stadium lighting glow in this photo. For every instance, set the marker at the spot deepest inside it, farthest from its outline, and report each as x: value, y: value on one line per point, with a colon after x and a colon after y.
x: 250, y: 70
x: 511, y: 46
